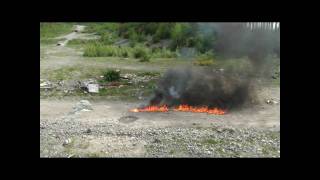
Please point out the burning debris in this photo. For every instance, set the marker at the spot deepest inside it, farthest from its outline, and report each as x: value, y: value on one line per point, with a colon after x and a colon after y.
x: 183, y: 108
x: 202, y: 90
x: 202, y: 87
x: 204, y: 109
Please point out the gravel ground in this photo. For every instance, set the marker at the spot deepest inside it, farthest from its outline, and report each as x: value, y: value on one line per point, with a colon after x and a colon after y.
x: 68, y: 137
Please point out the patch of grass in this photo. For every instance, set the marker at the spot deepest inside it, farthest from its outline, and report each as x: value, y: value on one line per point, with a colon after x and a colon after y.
x: 63, y: 73
x: 82, y: 42
x: 129, y: 91
x: 207, y: 62
x: 145, y: 58
x: 210, y: 141
x: 94, y: 154
x: 99, y: 50
x: 153, y: 74
x: 172, y: 151
x: 51, y: 30
x: 206, y: 59
x: 140, y: 52
x: 163, y: 53
x: 111, y: 75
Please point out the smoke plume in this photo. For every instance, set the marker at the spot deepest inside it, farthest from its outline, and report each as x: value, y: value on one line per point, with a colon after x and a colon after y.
x: 198, y: 86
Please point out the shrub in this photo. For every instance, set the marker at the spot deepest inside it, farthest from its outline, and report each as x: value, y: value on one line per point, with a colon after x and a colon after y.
x: 145, y: 58
x: 90, y: 51
x: 139, y: 52
x: 112, y: 75
x: 99, y: 50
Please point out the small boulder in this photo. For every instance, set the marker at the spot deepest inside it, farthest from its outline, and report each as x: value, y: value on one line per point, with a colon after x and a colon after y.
x: 83, y: 105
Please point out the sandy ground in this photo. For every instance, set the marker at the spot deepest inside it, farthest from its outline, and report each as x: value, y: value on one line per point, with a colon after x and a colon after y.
x: 264, y: 116
x: 58, y: 124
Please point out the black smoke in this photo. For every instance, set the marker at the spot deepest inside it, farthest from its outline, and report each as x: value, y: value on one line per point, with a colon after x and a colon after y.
x: 225, y: 89
x: 202, y: 86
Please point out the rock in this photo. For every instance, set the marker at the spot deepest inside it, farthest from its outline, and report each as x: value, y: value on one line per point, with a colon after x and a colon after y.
x: 66, y: 142
x: 271, y: 101
x: 83, y: 105
x: 44, y: 84
x: 88, y: 131
x: 156, y: 141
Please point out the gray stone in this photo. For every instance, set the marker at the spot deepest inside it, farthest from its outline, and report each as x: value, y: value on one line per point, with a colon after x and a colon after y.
x: 88, y: 131
x: 66, y: 142
x: 83, y: 105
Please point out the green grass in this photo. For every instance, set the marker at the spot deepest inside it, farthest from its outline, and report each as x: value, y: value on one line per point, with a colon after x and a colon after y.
x: 210, y: 142
x: 111, y: 75
x: 153, y: 74
x: 99, y: 50
x: 129, y: 90
x: 52, y: 30
x: 63, y: 73
x: 82, y: 42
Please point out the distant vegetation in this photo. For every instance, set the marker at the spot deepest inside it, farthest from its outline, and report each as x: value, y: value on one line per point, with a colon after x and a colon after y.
x: 145, y: 41
x: 51, y: 30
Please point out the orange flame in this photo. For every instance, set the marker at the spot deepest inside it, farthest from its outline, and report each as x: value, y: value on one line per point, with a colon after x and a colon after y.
x: 204, y: 109
x: 184, y: 108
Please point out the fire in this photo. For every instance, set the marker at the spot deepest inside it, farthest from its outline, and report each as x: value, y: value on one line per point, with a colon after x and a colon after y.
x: 163, y: 108
x: 204, y: 109
x: 184, y: 108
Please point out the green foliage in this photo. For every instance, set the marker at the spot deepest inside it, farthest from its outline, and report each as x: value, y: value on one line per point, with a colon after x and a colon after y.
x: 206, y: 59
x: 205, y: 42
x: 99, y: 50
x: 163, y: 31
x: 163, y: 53
x: 101, y: 28
x: 145, y: 58
x: 51, y: 30
x: 112, y: 75
x: 140, y: 51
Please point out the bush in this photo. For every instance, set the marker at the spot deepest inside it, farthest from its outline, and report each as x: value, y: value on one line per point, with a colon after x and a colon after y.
x: 145, y: 58
x: 139, y: 52
x: 99, y: 50
x: 112, y: 75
